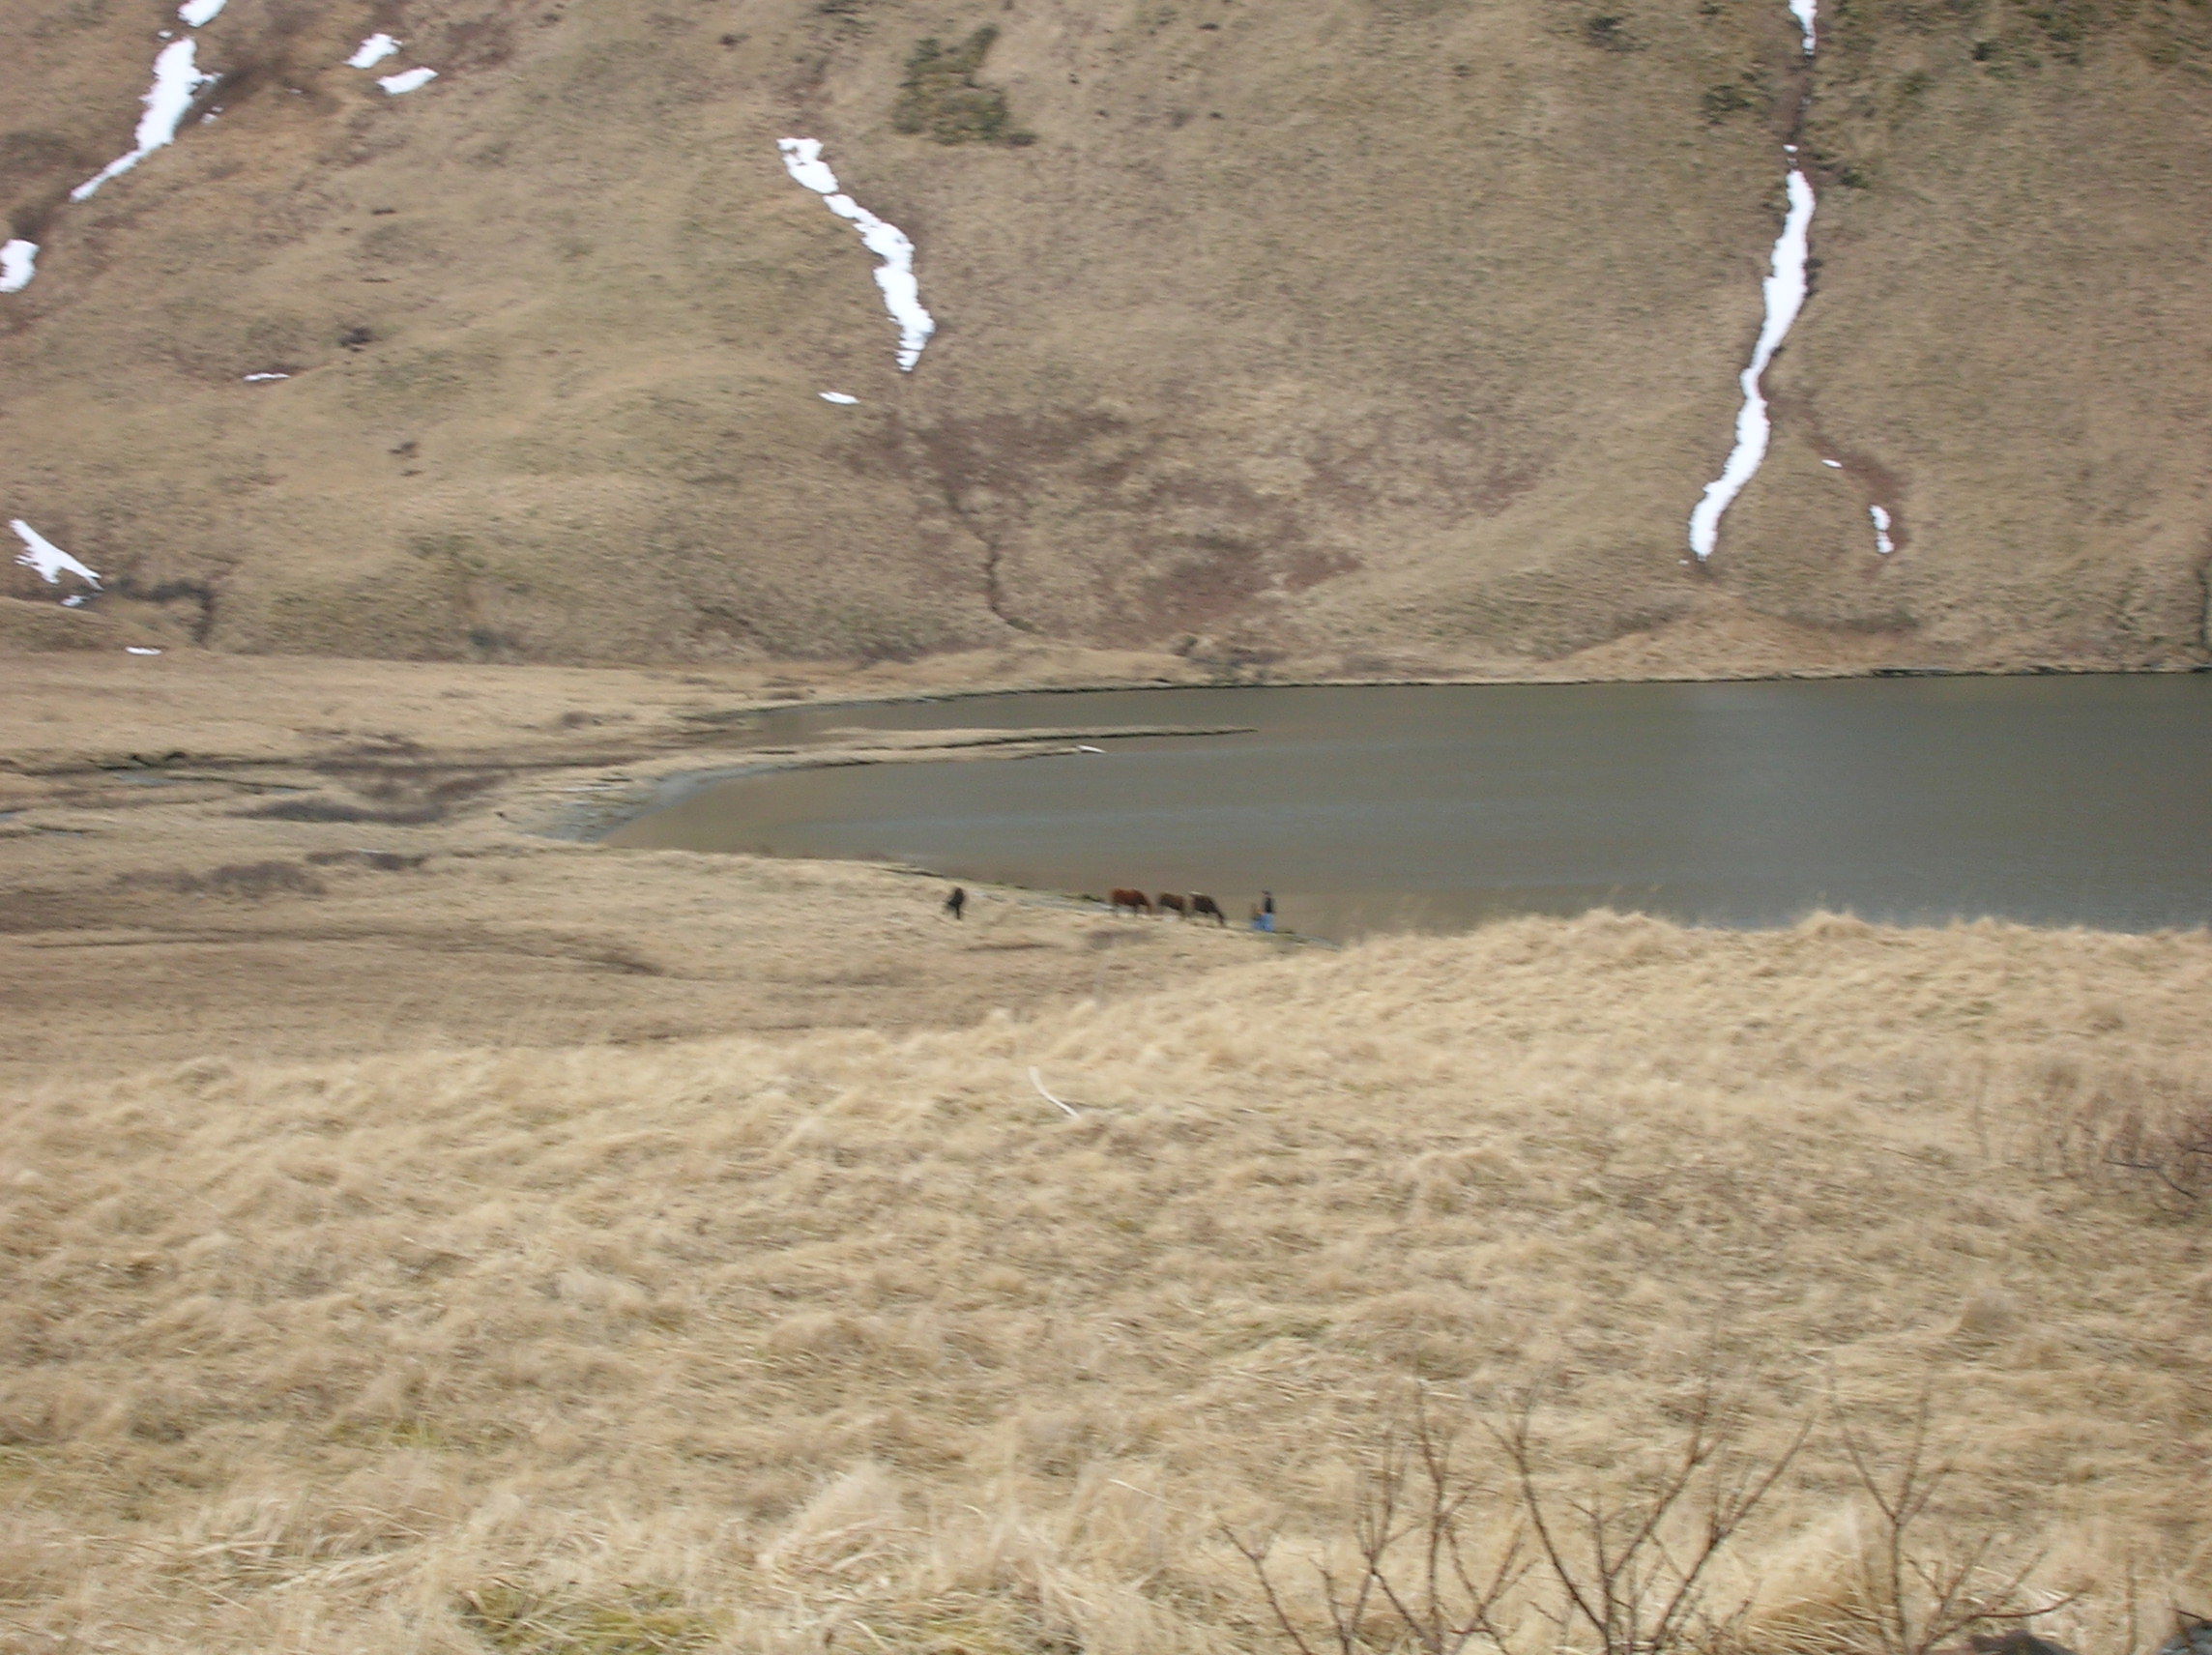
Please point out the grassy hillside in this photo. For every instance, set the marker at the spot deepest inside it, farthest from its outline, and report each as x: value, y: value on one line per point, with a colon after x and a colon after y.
x: 856, y: 1342
x: 1388, y: 335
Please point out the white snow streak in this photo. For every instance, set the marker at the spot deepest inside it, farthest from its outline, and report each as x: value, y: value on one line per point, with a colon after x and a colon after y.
x: 257, y: 378
x: 198, y: 12
x: 177, y: 81
x: 1837, y: 464
x: 1807, y: 13
x: 839, y: 398
x: 49, y: 560
x: 407, y: 80
x: 1882, y: 543
x: 1785, y: 291
x: 902, y: 292
x: 139, y: 650
x: 18, y: 262
x: 372, y: 51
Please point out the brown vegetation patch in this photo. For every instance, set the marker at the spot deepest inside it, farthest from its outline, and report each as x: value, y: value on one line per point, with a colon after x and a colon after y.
x: 248, y: 881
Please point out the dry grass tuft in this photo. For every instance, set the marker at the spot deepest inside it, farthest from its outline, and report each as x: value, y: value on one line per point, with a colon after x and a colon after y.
x: 852, y: 1341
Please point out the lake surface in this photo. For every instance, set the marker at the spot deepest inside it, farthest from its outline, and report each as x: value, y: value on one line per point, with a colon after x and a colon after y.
x: 2076, y: 800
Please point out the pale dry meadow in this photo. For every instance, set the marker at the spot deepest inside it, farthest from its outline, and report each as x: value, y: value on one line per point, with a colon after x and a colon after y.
x: 847, y: 1341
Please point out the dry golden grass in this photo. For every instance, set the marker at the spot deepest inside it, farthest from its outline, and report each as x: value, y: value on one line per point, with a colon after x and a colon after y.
x: 855, y: 1342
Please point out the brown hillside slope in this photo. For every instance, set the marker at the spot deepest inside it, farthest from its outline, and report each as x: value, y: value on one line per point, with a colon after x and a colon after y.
x: 1395, y: 330
x: 859, y: 1342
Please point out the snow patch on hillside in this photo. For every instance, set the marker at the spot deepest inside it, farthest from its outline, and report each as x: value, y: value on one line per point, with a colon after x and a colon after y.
x: 372, y: 51
x: 1882, y: 543
x: 198, y: 12
x: 901, y: 290
x: 407, y: 80
x: 177, y: 81
x: 841, y: 399
x: 1807, y: 13
x: 18, y: 263
x: 1785, y: 293
x: 48, y: 559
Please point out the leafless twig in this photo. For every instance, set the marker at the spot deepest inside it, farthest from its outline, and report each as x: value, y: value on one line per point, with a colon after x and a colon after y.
x: 1915, y: 1595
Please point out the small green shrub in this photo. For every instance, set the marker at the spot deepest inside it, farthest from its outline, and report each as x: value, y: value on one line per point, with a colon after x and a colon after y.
x: 1729, y: 98
x: 1607, y: 30
x: 2065, y: 25
x: 942, y: 100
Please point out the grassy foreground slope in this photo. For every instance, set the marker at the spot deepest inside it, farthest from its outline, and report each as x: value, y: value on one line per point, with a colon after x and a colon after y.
x: 1394, y: 336
x: 857, y: 1342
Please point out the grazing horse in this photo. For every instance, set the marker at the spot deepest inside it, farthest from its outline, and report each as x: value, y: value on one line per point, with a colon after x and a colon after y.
x: 1133, y: 900
x: 1170, y: 903
x: 1201, y: 905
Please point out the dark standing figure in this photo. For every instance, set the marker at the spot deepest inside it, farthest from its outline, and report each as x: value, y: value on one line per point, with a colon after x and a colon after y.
x: 1265, y: 920
x: 957, y: 901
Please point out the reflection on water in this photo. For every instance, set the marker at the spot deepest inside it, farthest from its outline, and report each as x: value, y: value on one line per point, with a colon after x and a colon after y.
x: 2055, y: 800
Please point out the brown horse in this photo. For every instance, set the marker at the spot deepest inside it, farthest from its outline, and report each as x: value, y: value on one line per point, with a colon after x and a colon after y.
x: 1170, y: 903
x: 1201, y: 905
x: 1133, y: 900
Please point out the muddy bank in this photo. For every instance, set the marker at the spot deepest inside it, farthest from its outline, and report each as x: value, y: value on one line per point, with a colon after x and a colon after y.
x: 301, y: 859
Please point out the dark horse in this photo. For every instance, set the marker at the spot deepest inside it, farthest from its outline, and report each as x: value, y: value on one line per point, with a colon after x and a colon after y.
x: 1133, y: 900
x: 1170, y: 903
x: 1201, y: 905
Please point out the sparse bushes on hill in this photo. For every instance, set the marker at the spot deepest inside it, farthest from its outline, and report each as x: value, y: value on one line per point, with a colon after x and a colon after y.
x: 941, y: 98
x: 2150, y: 1132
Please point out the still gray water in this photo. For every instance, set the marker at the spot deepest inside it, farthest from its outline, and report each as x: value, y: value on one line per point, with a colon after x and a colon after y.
x: 2075, y: 800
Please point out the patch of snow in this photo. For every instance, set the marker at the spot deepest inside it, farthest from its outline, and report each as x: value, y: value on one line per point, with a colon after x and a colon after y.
x: 1785, y: 293
x: 18, y: 263
x: 407, y: 80
x: 1086, y: 747
x: 372, y: 51
x: 177, y: 81
x: 1807, y: 13
x: 1837, y: 464
x: 139, y: 650
x: 257, y: 378
x: 839, y: 398
x: 902, y: 292
x: 1882, y: 543
x: 75, y: 598
x: 49, y: 560
x: 199, y: 11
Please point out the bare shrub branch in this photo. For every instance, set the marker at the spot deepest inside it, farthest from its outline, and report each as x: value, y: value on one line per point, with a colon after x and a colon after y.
x: 1419, y: 1584
x: 2153, y: 1130
x: 1916, y: 1592
x: 1628, y: 1571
